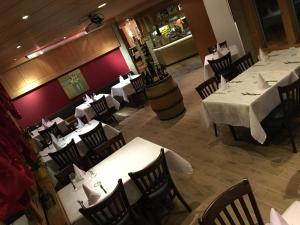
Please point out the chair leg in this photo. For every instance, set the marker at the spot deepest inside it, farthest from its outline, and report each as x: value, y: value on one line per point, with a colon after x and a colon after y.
x: 114, y: 118
x: 216, y: 131
x: 291, y: 137
x: 181, y: 199
x: 233, y: 132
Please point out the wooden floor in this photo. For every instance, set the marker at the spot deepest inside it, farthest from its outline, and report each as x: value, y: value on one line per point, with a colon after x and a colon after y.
x: 274, y: 171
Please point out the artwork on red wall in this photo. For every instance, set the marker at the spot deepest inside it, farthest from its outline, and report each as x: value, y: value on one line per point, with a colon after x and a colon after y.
x: 51, y: 97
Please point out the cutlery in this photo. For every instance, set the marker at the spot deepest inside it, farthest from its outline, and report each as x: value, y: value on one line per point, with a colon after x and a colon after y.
x: 247, y: 93
x: 271, y: 80
x: 291, y: 62
x: 258, y: 65
x: 237, y: 81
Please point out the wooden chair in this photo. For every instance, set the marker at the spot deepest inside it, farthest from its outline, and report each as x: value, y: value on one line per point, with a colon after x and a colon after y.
x: 66, y: 156
x: 223, y: 67
x: 288, y: 109
x: 232, y: 207
x: 114, y: 209
x: 102, y: 110
x: 139, y: 96
x: 212, y: 50
x: 97, y: 143
x: 223, y: 44
x: 243, y: 63
x: 206, y: 89
x: 117, y: 142
x: 156, y: 185
x: 50, y: 130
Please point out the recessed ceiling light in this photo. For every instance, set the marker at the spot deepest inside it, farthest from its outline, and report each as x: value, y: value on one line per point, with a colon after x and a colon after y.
x: 19, y: 46
x: 25, y: 17
x: 65, y: 37
x: 102, y: 5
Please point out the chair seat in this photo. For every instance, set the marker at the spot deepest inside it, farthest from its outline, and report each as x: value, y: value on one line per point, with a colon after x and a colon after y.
x: 292, y: 215
x: 277, y: 113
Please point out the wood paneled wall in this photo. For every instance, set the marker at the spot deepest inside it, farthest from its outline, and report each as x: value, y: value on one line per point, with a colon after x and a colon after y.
x: 57, y: 62
x: 202, y: 31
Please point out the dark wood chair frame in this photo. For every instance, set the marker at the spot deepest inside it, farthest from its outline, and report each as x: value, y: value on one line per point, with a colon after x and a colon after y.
x: 223, y: 67
x: 156, y: 185
x: 66, y: 156
x: 53, y: 129
x: 219, y: 209
x: 206, y: 89
x: 139, y: 87
x: 243, y: 63
x: 101, y: 109
x: 115, y: 209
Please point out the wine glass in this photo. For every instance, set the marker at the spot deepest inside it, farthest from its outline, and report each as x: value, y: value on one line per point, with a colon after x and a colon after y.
x: 100, y: 184
x: 92, y: 173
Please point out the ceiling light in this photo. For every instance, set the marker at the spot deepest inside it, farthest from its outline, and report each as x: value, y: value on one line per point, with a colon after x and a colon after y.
x: 25, y: 17
x: 65, y: 37
x: 19, y: 46
x: 102, y: 5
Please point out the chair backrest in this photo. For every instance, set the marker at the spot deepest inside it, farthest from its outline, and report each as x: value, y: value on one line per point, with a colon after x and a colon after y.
x: 223, y: 44
x: 50, y: 130
x: 117, y: 142
x: 115, y: 209
x: 138, y: 84
x: 207, y: 87
x: 95, y: 137
x: 243, y: 63
x: 290, y: 97
x: 66, y: 156
x: 212, y: 49
x: 63, y: 176
x: 235, y: 206
x: 153, y: 177
x: 100, y: 106
x: 222, y: 66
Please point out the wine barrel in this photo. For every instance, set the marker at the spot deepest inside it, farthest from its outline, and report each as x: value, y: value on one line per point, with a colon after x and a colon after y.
x: 165, y: 98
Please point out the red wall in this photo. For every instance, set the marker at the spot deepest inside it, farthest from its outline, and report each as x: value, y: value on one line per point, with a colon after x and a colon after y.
x: 50, y: 97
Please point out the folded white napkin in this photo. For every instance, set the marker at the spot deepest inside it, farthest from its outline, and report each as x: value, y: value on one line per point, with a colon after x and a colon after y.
x: 92, y: 196
x: 223, y: 84
x: 276, y: 218
x: 262, y: 84
x: 88, y: 98
x: 44, y: 123
x: 218, y: 47
x: 121, y: 79
x: 55, y: 142
x: 79, y: 174
x: 94, y: 96
x: 80, y: 124
x: 262, y: 56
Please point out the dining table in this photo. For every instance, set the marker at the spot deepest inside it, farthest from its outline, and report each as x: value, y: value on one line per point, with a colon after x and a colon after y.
x: 243, y: 103
x: 235, y: 54
x: 52, y: 167
x: 132, y: 157
x: 124, y: 88
x: 85, y: 109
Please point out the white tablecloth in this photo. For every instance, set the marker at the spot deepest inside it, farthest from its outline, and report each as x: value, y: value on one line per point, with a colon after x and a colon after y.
x: 109, y: 131
x: 123, y: 89
x: 86, y: 110
x: 233, y: 108
x: 132, y: 157
x: 292, y: 214
x: 62, y: 125
x: 208, y: 72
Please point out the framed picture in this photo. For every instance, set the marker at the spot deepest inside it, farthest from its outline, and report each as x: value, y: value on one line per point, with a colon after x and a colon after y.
x: 73, y: 83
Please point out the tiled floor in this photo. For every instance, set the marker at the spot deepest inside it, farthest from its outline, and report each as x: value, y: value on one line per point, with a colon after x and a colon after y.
x: 274, y: 171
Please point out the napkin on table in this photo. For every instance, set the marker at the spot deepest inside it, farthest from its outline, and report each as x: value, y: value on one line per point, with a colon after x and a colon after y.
x: 262, y: 84
x: 55, y: 143
x: 223, y: 84
x: 262, y: 55
x: 92, y: 196
x: 121, y: 79
x: 88, y: 98
x: 44, y: 123
x: 276, y: 218
x: 80, y: 124
x: 79, y: 174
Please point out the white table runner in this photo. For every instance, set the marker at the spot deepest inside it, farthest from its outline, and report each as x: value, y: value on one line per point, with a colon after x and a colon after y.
x: 86, y: 110
x: 233, y: 108
x: 124, y: 88
x: 132, y: 157
x: 208, y: 72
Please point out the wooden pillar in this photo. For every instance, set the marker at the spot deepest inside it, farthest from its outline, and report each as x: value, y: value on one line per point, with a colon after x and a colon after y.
x: 199, y: 23
x: 289, y: 21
